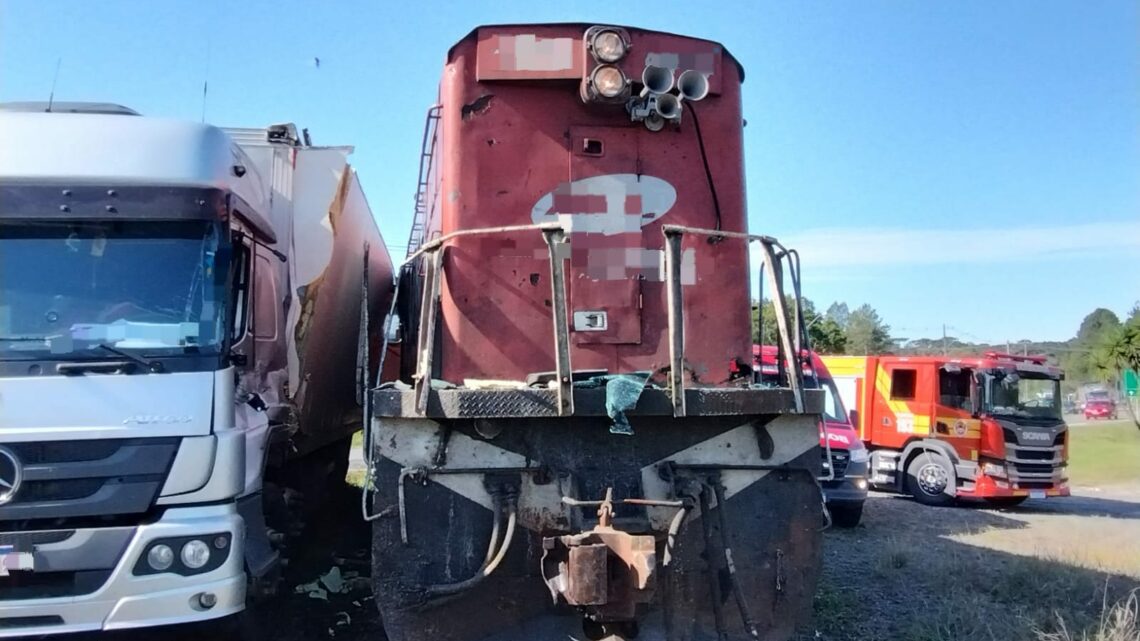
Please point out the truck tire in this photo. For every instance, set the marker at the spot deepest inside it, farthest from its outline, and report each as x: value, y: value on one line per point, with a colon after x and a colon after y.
x: 846, y: 515
x: 930, y: 478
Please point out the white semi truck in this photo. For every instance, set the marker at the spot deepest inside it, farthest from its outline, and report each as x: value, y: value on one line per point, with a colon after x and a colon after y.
x: 186, y: 318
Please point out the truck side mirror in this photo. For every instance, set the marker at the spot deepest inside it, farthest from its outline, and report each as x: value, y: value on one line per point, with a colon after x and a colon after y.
x: 853, y: 416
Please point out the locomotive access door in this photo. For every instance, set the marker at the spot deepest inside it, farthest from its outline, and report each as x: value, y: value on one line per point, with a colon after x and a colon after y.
x: 605, y: 239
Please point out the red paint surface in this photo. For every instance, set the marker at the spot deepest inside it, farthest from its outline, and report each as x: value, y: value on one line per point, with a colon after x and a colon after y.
x: 495, y: 319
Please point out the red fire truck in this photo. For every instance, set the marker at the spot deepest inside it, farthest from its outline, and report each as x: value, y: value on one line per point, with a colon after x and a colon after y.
x: 576, y: 449
x: 942, y: 428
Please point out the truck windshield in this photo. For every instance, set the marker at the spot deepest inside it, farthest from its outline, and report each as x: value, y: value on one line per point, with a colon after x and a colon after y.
x: 75, y: 288
x: 1023, y: 395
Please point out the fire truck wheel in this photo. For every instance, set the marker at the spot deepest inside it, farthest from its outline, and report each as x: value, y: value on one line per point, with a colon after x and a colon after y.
x: 930, y: 478
x: 845, y: 515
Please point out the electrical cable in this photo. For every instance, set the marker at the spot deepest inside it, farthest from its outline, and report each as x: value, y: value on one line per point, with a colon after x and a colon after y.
x: 705, y: 161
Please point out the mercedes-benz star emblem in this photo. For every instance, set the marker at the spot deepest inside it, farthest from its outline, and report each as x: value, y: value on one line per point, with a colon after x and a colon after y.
x: 10, y: 475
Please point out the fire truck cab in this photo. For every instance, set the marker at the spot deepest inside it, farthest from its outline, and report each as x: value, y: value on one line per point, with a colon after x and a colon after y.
x: 942, y: 428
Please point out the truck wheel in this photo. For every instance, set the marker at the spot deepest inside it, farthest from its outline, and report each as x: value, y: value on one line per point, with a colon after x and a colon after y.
x: 1006, y: 501
x: 930, y: 478
x: 846, y: 515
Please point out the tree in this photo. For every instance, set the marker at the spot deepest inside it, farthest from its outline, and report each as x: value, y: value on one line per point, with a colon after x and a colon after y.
x: 827, y: 336
x: 1134, y: 315
x: 1098, y: 324
x: 839, y: 314
x: 1119, y: 351
x: 866, y: 331
x: 824, y: 334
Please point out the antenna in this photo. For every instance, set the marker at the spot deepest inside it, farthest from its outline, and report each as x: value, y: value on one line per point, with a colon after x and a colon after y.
x: 54, y: 79
x: 206, y: 78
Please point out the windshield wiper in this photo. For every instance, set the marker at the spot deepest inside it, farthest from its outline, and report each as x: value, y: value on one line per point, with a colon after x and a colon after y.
x: 23, y: 339
x: 153, y: 366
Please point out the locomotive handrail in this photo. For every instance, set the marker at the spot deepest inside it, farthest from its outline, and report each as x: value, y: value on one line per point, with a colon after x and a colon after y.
x: 771, y: 260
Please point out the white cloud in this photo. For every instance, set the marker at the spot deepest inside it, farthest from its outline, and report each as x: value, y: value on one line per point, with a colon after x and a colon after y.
x: 851, y: 247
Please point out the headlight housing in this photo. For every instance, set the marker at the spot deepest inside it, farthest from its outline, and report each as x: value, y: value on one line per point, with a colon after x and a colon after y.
x: 184, y: 555
x: 607, y: 44
x: 609, y: 82
x: 860, y: 455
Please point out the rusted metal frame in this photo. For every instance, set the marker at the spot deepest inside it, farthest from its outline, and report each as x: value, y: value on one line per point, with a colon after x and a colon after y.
x: 554, y: 238
x: 675, y: 306
x: 428, y: 315
x: 775, y: 277
x: 767, y: 245
x: 481, y: 231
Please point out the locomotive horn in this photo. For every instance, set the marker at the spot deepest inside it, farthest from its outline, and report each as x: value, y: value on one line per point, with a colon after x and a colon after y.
x: 657, y: 79
x: 668, y: 106
x: 693, y: 85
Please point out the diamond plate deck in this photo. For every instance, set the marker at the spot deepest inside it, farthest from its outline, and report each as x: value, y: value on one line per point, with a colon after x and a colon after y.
x: 530, y: 403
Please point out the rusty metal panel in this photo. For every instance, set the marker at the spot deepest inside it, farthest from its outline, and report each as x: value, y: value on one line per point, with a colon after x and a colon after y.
x: 587, y: 574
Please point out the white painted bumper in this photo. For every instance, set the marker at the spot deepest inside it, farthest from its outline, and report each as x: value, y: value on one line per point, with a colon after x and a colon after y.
x: 128, y: 601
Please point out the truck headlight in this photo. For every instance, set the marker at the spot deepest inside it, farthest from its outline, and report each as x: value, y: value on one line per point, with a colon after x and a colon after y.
x: 993, y: 469
x: 195, y: 554
x: 860, y: 455
x: 160, y: 557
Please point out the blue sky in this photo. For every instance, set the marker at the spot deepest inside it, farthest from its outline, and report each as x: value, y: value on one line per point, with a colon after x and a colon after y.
x: 970, y: 163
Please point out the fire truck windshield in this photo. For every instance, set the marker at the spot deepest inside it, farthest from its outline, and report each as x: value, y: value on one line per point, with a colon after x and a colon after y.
x: 1023, y: 395
x: 72, y: 289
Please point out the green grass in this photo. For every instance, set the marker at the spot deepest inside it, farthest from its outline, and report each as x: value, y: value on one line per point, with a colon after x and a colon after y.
x: 1104, y: 453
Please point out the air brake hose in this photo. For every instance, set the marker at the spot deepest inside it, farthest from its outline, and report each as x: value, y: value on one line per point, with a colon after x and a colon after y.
x: 445, y: 589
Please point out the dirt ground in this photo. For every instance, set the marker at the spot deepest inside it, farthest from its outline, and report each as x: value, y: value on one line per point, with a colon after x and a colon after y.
x: 909, y: 572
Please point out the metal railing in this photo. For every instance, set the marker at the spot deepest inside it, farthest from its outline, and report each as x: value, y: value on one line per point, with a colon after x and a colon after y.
x: 792, y: 337
x: 423, y: 182
x: 772, y: 255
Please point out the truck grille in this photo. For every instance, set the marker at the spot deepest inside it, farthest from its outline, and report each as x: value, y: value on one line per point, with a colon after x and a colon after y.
x: 46, y: 585
x: 76, y: 479
x: 839, y: 462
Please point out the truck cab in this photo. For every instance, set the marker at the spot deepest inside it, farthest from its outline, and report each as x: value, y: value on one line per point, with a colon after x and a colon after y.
x: 943, y: 429
x: 158, y: 325
x: 845, y: 458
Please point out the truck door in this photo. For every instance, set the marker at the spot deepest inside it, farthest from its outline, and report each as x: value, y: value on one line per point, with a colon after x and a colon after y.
x: 903, y: 402
x: 605, y: 293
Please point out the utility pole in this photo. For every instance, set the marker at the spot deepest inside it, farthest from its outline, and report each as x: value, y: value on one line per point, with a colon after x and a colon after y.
x: 943, y: 339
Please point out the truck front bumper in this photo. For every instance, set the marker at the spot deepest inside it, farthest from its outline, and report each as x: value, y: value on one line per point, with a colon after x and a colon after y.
x: 126, y: 599
x: 851, y: 488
